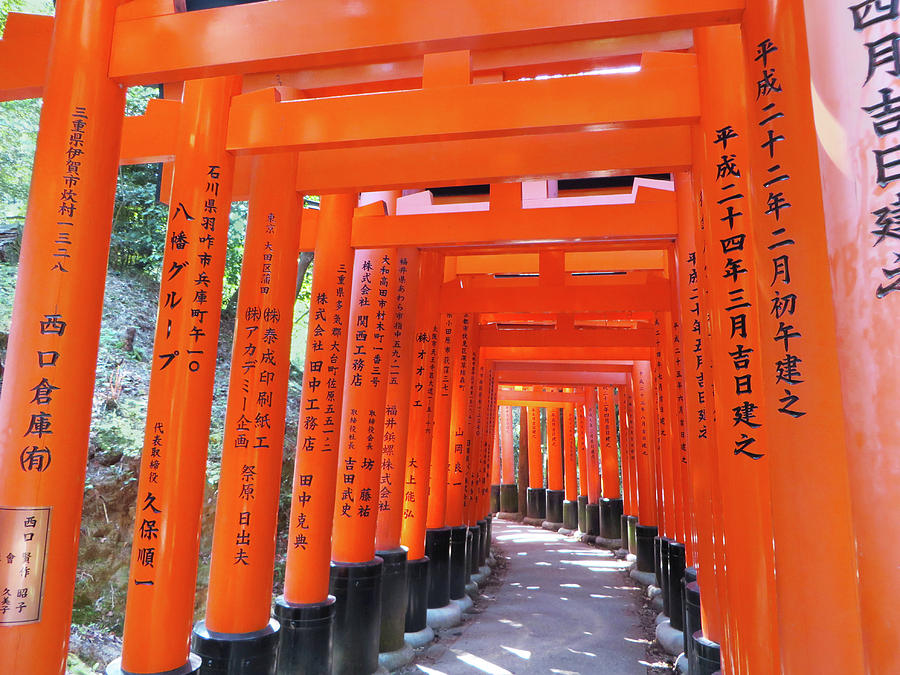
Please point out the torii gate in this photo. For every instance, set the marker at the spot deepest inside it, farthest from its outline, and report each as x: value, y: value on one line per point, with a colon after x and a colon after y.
x: 798, y: 465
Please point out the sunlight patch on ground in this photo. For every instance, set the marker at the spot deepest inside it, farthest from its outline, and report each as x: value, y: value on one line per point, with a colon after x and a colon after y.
x: 481, y: 664
x: 570, y: 585
x: 430, y: 671
x: 521, y: 653
x: 575, y: 651
x: 509, y: 622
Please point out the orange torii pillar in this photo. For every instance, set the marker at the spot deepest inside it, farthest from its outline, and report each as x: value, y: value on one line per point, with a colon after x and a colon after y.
x: 810, y: 476
x: 457, y: 463
x: 306, y: 610
x: 496, y: 473
x: 536, y: 510
x: 394, y: 585
x: 238, y: 632
x: 52, y: 353
x: 570, y: 471
x: 624, y: 456
x: 632, y: 501
x: 705, y: 616
x: 164, y: 556
x: 861, y: 222
x: 592, y: 508
x: 645, y: 440
x: 611, y: 505
x: 751, y: 639
x: 582, y: 468
x: 418, y: 451
x: 555, y: 487
x: 477, y: 462
x: 488, y: 395
x: 355, y: 569
x: 441, y: 612
x: 509, y: 491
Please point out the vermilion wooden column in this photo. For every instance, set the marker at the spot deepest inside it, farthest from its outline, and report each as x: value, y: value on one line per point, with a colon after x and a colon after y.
x: 624, y: 448
x: 582, y: 465
x: 645, y: 438
x: 861, y: 226
x: 418, y: 463
x: 393, y: 456
x: 703, y: 468
x: 555, y: 492
x: 460, y: 398
x: 592, y: 509
x: 537, y: 505
x: 611, y: 503
x: 631, y: 495
x: 51, y: 358
x: 570, y: 505
x: 496, y: 472
x: 509, y: 499
x: 810, y: 481
x: 160, y: 607
x: 239, y: 598
x: 306, y: 603
x: 356, y: 571
x: 741, y: 431
x: 665, y: 485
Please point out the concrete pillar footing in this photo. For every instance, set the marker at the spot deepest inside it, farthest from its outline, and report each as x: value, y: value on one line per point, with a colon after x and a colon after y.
x: 515, y: 517
x: 670, y: 639
x: 420, y: 638
x: 472, y: 589
x: 555, y: 527
x: 464, y: 603
x: 537, y: 522
x: 643, y: 578
x: 396, y: 659
x: 447, y: 616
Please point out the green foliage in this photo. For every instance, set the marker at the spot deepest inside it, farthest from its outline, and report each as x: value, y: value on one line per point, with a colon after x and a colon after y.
x: 18, y: 135
x: 7, y: 6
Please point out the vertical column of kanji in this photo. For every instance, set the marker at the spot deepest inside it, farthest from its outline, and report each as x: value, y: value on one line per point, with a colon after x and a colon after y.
x: 664, y: 479
x: 418, y: 452
x: 51, y: 359
x: 703, y: 467
x: 474, y: 461
x: 592, y: 508
x: 611, y: 502
x: 355, y: 569
x: 243, y: 552
x: 810, y: 477
x: 306, y: 610
x: 160, y: 606
x: 555, y: 492
x: 581, y: 431
x: 570, y: 504
x: 489, y: 429
x: 645, y: 439
x: 456, y: 465
x: 536, y: 495
x: 437, y: 538
x: 854, y: 60
x: 393, y: 459
x: 509, y: 491
x: 735, y: 350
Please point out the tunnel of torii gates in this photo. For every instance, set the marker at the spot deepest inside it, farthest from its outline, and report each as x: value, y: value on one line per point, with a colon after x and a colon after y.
x: 706, y: 318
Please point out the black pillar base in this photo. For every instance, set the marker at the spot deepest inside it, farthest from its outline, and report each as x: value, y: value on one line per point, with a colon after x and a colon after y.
x: 357, y: 617
x: 676, y: 583
x: 644, y: 535
x: 632, y: 523
x: 495, y: 498
x: 570, y: 514
x: 416, y: 595
x: 307, y: 637
x: 611, y: 518
x: 657, y: 570
x: 592, y: 516
x: 582, y: 513
x: 394, y: 598
x: 554, y: 508
x: 663, y: 573
x: 707, y: 656
x: 192, y: 667
x: 483, y: 543
x: 458, y: 577
x: 537, y: 503
x: 473, y: 543
x: 509, y: 498
x: 691, y: 615
x: 437, y: 550
x: 238, y: 653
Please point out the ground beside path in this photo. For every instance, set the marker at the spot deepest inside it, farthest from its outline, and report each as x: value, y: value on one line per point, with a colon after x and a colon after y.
x: 559, y: 607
